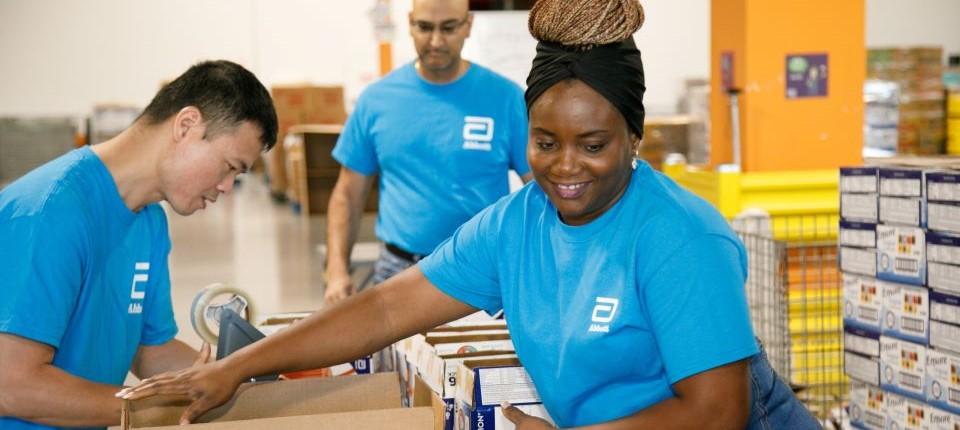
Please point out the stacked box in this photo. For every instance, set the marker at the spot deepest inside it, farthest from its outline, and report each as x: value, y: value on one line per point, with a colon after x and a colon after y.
x: 881, y: 108
x: 917, y: 72
x: 915, y: 291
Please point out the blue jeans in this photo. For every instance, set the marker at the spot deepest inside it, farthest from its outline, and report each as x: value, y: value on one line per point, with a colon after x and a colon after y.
x: 773, y: 404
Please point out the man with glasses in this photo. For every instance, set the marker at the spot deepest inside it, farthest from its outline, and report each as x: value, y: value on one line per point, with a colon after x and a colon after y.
x: 441, y: 133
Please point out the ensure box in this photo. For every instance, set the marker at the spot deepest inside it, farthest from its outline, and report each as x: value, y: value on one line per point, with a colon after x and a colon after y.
x: 907, y: 211
x: 903, y: 413
x: 862, y: 302
x: 901, y: 182
x: 858, y: 234
x: 902, y: 367
x: 901, y: 254
x: 945, y: 336
x: 864, y: 342
x: 859, y: 180
x: 906, y: 312
x: 861, y: 367
x: 866, y: 406
x: 942, y: 248
x: 942, y: 420
x: 482, y: 385
x: 943, y: 216
x: 860, y: 207
x: 858, y: 261
x: 944, y: 277
x: 943, y: 380
x: 944, y: 307
x: 943, y: 186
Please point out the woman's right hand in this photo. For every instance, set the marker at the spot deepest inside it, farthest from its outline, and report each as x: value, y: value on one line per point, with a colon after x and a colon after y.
x: 207, y: 386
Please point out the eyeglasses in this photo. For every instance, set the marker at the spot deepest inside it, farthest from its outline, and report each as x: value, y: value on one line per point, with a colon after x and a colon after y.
x: 448, y: 28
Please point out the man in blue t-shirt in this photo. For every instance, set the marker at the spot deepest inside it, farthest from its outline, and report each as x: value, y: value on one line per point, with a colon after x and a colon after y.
x: 85, y: 288
x: 442, y: 134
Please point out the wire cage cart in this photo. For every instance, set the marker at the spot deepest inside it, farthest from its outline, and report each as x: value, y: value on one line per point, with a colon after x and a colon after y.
x: 794, y: 292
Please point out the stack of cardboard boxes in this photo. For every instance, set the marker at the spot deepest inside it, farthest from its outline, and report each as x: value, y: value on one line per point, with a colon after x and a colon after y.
x: 300, y: 104
x: 918, y: 72
x: 464, y: 370
x: 900, y: 257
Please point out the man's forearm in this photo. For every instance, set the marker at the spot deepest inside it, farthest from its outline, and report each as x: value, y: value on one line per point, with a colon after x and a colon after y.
x: 343, y: 221
x: 53, y: 397
x: 173, y: 355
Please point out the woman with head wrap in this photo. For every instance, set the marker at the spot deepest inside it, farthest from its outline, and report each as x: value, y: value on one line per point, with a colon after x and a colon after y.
x: 623, y: 292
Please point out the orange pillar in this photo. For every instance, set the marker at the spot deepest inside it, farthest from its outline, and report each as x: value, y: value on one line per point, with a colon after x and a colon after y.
x: 779, y: 132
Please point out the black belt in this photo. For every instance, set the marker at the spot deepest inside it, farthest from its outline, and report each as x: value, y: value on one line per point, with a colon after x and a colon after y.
x: 400, y: 252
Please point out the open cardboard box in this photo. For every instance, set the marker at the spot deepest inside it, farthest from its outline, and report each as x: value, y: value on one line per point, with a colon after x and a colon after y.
x: 354, y: 402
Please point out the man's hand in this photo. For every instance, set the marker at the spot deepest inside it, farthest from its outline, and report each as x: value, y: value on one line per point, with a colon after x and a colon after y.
x: 338, y: 288
x: 206, y: 385
x: 522, y: 420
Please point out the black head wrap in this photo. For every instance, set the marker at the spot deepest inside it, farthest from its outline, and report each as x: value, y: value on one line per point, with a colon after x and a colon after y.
x: 614, y: 70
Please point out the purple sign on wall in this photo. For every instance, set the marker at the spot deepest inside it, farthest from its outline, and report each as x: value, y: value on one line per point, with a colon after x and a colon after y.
x: 806, y: 75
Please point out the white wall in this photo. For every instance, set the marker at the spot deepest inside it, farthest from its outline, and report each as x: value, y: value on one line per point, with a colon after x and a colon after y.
x: 61, y: 57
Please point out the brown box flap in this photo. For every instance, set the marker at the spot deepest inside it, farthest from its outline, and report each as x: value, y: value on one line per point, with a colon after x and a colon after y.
x: 277, y: 399
x: 392, y: 419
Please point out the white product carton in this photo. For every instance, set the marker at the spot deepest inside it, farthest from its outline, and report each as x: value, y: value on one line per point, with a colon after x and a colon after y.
x: 902, y: 367
x: 862, y: 302
x: 906, y: 312
x: 901, y: 254
x: 859, y: 261
x: 943, y: 380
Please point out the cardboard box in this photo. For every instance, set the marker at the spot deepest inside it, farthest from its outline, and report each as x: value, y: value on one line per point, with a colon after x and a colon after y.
x: 858, y: 234
x: 943, y: 380
x: 906, y: 312
x: 484, y: 384
x: 859, y: 207
x: 901, y: 254
x: 358, y: 402
x: 904, y: 413
x: 863, y: 342
x: 907, y: 211
x: 943, y: 186
x: 943, y: 216
x: 866, y: 406
x: 945, y: 336
x: 862, y: 368
x: 943, y: 248
x: 862, y: 302
x: 858, y: 261
x: 902, y: 367
x: 859, y: 180
x: 945, y: 277
x: 942, y: 420
x: 901, y: 182
x: 944, y: 307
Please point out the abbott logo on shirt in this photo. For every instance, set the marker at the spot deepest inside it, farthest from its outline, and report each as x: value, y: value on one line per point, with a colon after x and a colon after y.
x: 140, y: 276
x: 477, y: 133
x: 603, y: 313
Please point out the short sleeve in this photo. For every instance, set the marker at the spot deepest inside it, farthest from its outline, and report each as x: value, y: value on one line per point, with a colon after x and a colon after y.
x: 159, y: 324
x: 465, y: 266
x: 42, y: 259
x: 519, y: 134
x: 355, y: 148
x: 698, y: 308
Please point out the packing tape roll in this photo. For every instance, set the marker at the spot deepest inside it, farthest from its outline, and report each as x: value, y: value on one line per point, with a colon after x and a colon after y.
x: 201, y: 310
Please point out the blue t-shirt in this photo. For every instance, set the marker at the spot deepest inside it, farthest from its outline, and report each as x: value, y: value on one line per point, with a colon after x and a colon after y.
x: 442, y: 150
x: 81, y: 272
x: 606, y: 316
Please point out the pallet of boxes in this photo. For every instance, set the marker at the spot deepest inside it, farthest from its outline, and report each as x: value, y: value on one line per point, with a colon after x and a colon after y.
x: 900, y: 257
x: 464, y: 371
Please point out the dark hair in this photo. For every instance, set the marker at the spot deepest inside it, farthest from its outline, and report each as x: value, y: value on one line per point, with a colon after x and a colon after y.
x: 226, y: 95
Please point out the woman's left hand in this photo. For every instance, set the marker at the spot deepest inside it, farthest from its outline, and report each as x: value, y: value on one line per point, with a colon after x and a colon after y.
x: 522, y: 420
